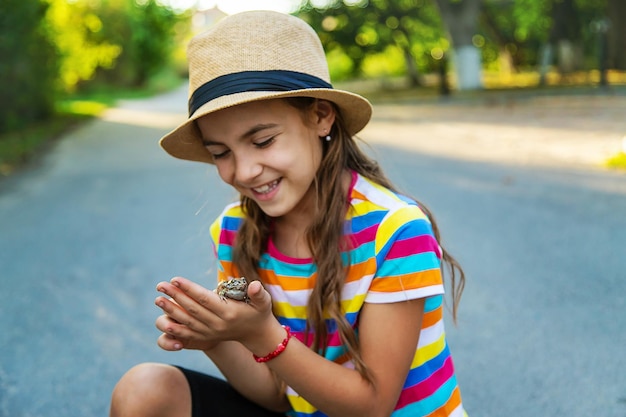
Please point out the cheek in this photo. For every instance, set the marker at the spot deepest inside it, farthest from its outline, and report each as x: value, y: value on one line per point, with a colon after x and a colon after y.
x: 225, y: 172
x: 301, y: 161
x: 315, y: 150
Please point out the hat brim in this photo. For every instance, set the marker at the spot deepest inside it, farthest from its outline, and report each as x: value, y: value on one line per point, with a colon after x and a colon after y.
x: 185, y: 142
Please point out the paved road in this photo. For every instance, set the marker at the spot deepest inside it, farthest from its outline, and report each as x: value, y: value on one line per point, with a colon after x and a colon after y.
x: 87, y: 233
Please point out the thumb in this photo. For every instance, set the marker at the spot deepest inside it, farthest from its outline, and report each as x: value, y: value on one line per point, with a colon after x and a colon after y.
x: 257, y: 294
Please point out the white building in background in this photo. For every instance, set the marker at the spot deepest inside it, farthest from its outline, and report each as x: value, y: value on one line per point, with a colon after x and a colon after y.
x: 204, y: 19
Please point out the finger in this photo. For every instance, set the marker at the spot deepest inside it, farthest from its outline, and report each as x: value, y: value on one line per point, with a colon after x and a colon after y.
x: 171, y: 290
x: 254, y: 288
x: 179, y: 333
x: 203, y: 296
x: 259, y: 297
x: 173, y: 310
x: 176, y: 322
x: 184, y: 301
x: 167, y: 325
x: 168, y: 342
x: 184, y: 322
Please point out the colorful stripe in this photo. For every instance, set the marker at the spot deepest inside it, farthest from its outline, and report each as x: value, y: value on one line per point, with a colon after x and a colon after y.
x: 393, y: 257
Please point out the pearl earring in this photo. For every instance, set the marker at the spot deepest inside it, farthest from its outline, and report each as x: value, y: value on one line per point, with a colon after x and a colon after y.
x: 327, y: 138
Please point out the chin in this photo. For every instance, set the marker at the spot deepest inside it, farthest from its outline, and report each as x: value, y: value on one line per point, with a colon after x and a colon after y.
x: 274, y: 210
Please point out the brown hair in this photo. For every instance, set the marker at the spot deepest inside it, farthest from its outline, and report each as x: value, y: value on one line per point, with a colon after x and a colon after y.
x: 341, y: 153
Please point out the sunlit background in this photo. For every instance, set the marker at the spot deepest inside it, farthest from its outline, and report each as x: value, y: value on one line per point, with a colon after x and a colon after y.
x: 514, y: 162
x: 86, y: 54
x: 236, y: 6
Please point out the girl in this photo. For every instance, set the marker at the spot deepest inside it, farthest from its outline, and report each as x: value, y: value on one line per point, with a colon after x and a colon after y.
x: 342, y: 314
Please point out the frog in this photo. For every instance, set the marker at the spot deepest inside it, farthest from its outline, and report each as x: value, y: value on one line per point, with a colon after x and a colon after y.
x: 233, y: 288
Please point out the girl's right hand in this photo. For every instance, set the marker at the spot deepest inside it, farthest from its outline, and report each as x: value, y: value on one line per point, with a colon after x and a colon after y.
x: 197, y: 318
x: 177, y: 336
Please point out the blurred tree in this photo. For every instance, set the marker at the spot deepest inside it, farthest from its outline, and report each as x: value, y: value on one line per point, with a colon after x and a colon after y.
x: 513, y: 33
x: 76, y: 30
x: 147, y: 32
x: 575, y: 36
x: 570, y: 34
x: 153, y: 39
x: 58, y: 46
x: 373, y: 38
x: 616, y: 34
x: 461, y: 20
x: 28, y: 65
x: 564, y: 37
x: 378, y: 32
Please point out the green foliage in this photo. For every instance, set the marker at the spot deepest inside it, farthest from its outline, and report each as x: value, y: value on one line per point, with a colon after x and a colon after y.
x: 28, y: 64
x: 388, y: 37
x: 380, y: 37
x: 147, y: 33
x: 389, y: 62
x: 152, y: 38
x: 19, y: 147
x: 127, y: 40
x: 55, y: 49
x: 520, y: 28
x: 76, y: 30
x: 525, y: 19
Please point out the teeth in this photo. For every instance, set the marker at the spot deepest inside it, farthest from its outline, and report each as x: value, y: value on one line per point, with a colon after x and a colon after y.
x: 264, y: 189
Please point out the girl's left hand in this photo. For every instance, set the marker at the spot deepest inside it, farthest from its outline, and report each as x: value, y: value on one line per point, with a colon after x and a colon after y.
x: 197, y: 318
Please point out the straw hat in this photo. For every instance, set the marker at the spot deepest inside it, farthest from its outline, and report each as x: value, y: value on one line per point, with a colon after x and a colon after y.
x: 254, y: 56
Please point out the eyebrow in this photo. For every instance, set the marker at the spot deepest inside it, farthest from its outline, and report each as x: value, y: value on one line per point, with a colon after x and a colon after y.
x: 250, y: 132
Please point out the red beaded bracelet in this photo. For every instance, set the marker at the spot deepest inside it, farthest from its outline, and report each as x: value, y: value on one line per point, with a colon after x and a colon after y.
x: 279, y: 349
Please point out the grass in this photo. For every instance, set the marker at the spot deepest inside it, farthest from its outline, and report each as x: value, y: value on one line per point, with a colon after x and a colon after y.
x: 18, y: 148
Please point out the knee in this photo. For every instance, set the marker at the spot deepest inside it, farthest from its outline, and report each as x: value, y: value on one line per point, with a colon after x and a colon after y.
x: 151, y: 389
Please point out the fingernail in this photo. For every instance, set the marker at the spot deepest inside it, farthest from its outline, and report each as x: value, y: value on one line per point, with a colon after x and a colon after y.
x: 177, y: 346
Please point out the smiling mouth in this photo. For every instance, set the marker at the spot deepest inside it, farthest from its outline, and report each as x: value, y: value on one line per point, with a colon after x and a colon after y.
x: 266, y: 188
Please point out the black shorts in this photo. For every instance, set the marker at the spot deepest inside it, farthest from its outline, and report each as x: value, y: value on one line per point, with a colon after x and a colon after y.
x: 214, y: 397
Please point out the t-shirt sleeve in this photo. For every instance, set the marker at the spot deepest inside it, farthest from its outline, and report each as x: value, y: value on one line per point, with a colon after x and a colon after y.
x: 408, y: 258
x: 223, y: 231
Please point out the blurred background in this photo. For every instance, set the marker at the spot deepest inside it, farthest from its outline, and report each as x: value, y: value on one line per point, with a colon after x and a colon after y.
x: 64, y: 60
x: 502, y: 116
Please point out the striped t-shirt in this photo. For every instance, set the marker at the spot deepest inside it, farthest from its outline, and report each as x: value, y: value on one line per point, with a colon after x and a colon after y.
x: 393, y: 257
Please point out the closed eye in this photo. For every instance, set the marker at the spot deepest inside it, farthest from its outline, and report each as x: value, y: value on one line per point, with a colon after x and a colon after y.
x: 216, y: 151
x: 265, y: 143
x: 219, y: 155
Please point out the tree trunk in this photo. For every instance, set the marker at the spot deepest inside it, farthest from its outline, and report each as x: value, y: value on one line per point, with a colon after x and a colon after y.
x: 461, y: 21
x: 444, y: 87
x: 411, y: 68
x: 566, y: 35
x: 546, y: 57
x: 409, y: 59
x: 616, y: 36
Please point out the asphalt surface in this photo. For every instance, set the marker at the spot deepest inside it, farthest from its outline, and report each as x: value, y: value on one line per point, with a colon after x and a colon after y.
x: 515, y: 184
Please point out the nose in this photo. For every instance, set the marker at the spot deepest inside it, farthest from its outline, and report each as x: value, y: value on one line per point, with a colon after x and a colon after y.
x: 247, y: 168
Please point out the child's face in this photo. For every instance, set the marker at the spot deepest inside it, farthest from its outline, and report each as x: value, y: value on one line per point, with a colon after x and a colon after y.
x: 267, y: 151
